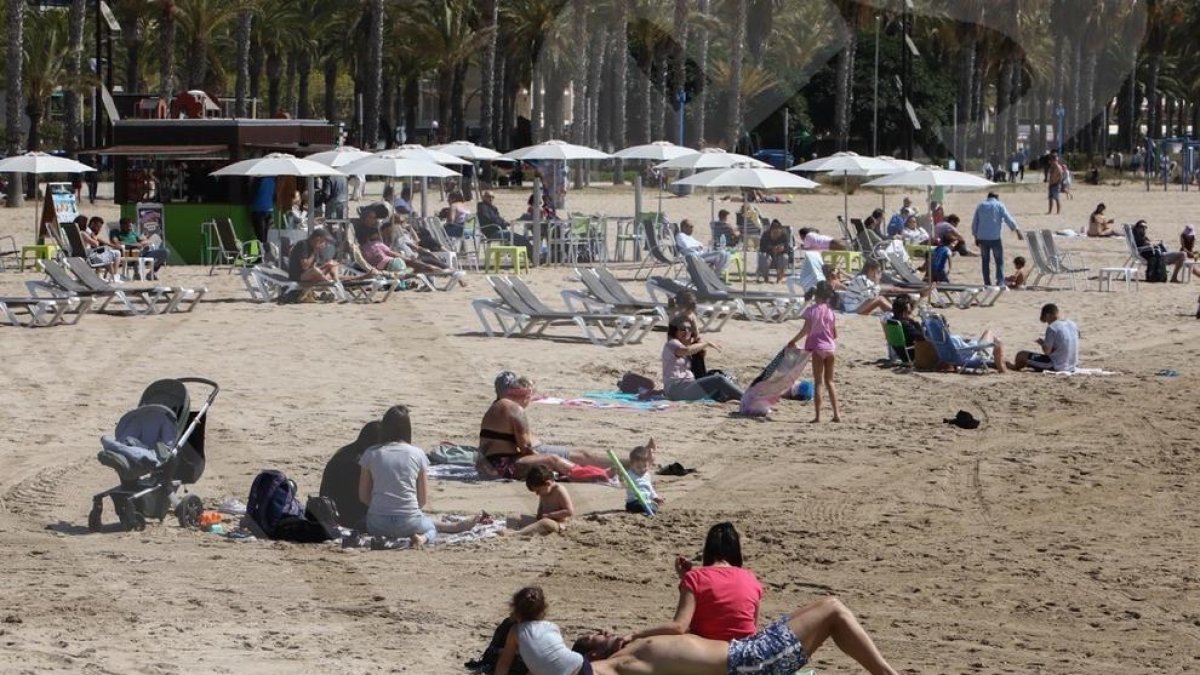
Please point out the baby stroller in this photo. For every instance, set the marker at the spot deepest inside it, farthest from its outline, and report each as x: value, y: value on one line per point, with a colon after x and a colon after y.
x: 156, y: 448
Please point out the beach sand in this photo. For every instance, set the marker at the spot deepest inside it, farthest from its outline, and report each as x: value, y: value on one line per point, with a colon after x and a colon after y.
x: 1060, y: 537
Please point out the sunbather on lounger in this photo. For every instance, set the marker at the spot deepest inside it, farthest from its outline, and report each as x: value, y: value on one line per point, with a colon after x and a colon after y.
x: 781, y: 648
x: 304, y: 263
x: 507, y: 442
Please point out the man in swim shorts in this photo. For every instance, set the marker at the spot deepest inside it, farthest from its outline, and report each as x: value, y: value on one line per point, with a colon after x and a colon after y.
x: 780, y: 649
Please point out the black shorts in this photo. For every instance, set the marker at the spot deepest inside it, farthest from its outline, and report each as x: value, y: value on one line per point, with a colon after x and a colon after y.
x: 1040, y: 362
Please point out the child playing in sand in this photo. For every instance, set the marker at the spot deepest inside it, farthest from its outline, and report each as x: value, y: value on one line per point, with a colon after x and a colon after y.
x: 539, y: 642
x: 555, y: 507
x: 1017, y: 279
x: 820, y: 333
x: 641, y: 468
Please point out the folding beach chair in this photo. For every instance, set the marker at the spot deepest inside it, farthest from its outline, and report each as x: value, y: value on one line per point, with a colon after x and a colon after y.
x: 233, y: 251
x: 963, y: 355
x: 658, y: 253
x: 1066, y: 263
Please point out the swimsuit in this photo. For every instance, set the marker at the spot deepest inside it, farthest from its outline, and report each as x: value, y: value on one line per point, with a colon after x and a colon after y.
x: 498, y: 436
x: 773, y: 651
x: 505, y: 464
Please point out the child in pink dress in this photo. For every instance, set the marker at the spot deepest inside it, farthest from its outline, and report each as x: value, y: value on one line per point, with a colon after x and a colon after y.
x: 820, y: 333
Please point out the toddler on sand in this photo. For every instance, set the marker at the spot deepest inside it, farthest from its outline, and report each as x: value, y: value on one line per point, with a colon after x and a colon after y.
x: 641, y: 470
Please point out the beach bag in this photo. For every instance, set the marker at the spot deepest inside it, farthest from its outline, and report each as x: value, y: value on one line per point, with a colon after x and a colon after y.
x: 1156, y: 269
x: 272, y: 498
x: 486, y: 663
x: 632, y: 383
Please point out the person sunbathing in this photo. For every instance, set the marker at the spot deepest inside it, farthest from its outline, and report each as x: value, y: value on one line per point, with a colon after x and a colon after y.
x: 508, y: 447
x: 781, y: 648
x: 1100, y: 225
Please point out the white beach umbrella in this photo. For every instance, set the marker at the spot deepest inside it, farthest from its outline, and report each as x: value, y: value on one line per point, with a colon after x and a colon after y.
x: 658, y: 151
x: 277, y: 164
x: 748, y: 177
x: 282, y: 164
x: 38, y: 163
x: 848, y: 164
x: 711, y: 158
x: 931, y: 177
x: 905, y: 164
x: 414, y: 151
x: 559, y: 151
x: 468, y: 151
x: 339, y: 156
x: 398, y: 167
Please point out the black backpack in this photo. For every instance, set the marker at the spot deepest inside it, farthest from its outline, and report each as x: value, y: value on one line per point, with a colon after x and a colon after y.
x: 272, y: 498
x: 1156, y: 268
x: 486, y: 663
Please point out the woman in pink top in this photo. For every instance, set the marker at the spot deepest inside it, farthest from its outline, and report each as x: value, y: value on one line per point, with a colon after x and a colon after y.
x: 820, y: 333
x: 718, y: 601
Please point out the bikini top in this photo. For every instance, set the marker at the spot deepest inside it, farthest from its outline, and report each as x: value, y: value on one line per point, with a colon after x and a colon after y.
x: 498, y: 436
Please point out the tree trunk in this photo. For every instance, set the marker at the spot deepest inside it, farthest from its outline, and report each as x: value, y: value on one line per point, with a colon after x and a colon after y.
x: 412, y: 94
x: 966, y: 89
x: 646, y: 110
x: 289, y: 85
x: 843, y: 98
x: 458, y: 113
x: 596, y: 65
x: 387, y: 110
x: 303, y: 75
x: 977, y: 102
x: 1078, y: 108
x: 374, y: 77
x: 579, y: 80
x: 1092, y: 115
x: 74, y: 116
x: 134, y: 37
x: 700, y: 103
x: 678, y: 73
x: 256, y: 66
x: 620, y: 83
x: 198, y: 57
x: 445, y: 82
x: 656, y: 89
x: 501, y: 102
x: 1015, y: 91
x: 168, y: 33
x: 487, y: 85
x: 1000, y: 132
x: 331, y: 76
x: 733, y: 133
x: 274, y: 75
x: 35, y: 112
x: 242, y: 82
x: 14, y: 34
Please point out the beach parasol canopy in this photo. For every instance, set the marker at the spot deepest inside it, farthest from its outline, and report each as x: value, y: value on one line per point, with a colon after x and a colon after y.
x: 277, y: 164
x: 749, y: 178
x: 711, y: 158
x: 559, y: 151
x: 658, y: 151
x: 424, y: 154
x: 931, y: 177
x: 468, y: 151
x: 40, y: 162
x: 398, y: 167
x: 848, y: 164
x: 339, y: 156
x: 905, y: 164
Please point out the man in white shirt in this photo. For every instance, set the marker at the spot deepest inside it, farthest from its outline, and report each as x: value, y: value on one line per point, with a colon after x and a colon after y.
x: 1060, y: 346
x: 686, y: 244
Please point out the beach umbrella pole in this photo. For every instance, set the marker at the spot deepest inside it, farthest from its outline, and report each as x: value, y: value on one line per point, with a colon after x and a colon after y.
x: 637, y: 195
x: 537, y: 221
x: 424, y: 198
x: 310, y: 202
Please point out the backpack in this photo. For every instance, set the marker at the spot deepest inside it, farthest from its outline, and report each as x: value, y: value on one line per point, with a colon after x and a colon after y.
x: 633, y: 383
x: 1156, y: 269
x: 486, y: 662
x: 272, y: 498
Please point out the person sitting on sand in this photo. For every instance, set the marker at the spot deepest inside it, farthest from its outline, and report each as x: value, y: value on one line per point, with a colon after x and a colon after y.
x: 1060, y: 345
x: 394, y: 484
x: 1018, y: 278
x: 554, y: 509
x: 641, y: 471
x: 1100, y: 225
x: 508, y: 447
x: 538, y: 642
x: 718, y: 600
x: 947, y: 230
x: 679, y: 382
x: 684, y: 309
x: 782, y: 648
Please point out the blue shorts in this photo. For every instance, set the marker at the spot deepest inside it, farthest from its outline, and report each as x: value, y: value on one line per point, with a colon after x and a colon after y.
x: 775, y: 650
x: 1055, y: 191
x: 402, y: 526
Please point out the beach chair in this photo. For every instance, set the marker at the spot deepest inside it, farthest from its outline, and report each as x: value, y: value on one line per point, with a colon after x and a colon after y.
x: 1135, y: 258
x: 232, y: 251
x: 755, y: 305
x: 965, y: 356
x: 643, y: 322
x: 43, y: 312
x: 898, y: 347
x: 1041, y: 267
x: 75, y: 246
x: 159, y: 299
x: 271, y: 284
x: 658, y: 253
x: 1065, y: 263
x: 8, y: 249
x: 59, y: 283
x: 437, y: 231
x: 516, y: 317
x: 810, y: 271
x: 598, y: 297
x: 959, y: 295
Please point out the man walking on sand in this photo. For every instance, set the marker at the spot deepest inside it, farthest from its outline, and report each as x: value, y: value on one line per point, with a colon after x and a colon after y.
x: 988, y: 227
x: 1056, y: 176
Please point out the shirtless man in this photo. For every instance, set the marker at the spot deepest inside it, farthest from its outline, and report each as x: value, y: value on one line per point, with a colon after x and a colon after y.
x: 780, y: 649
x: 508, y: 443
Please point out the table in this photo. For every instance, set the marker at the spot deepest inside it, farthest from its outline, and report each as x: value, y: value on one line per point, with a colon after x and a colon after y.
x: 852, y: 261
x: 495, y: 254
x: 144, y: 266
x: 37, y: 252
x: 1107, y: 274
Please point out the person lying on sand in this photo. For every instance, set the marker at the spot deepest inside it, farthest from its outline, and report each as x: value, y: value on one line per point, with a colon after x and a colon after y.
x: 555, y: 507
x: 781, y: 648
x: 508, y: 448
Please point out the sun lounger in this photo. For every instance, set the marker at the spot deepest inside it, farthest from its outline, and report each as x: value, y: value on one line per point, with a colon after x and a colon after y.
x: 712, y: 315
x: 959, y: 295
x: 159, y: 299
x: 754, y: 306
x: 43, y: 312
x: 135, y: 300
x: 516, y: 316
x: 643, y: 323
x: 597, y: 297
x: 272, y: 284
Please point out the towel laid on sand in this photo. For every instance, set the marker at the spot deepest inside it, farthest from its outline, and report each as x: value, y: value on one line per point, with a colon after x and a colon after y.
x: 1082, y: 371
x: 477, y: 533
x: 609, y: 400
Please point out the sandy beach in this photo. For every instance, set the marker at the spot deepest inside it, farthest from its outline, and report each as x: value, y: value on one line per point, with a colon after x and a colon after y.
x: 1060, y: 537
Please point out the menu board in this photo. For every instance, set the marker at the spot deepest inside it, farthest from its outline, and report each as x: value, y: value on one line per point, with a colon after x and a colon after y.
x: 149, y: 221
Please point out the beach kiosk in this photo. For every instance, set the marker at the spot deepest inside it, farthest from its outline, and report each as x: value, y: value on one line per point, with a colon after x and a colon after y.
x: 161, y: 171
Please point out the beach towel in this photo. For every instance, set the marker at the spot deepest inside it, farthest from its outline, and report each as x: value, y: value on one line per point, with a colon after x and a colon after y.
x: 451, y: 453
x: 609, y: 400
x: 455, y: 472
x: 477, y: 533
x: 775, y: 380
x: 1082, y: 371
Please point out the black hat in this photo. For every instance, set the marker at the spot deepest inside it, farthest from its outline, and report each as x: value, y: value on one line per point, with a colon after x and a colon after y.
x: 963, y: 420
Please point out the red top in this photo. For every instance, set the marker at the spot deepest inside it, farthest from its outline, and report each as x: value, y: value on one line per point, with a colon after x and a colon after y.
x: 726, y: 602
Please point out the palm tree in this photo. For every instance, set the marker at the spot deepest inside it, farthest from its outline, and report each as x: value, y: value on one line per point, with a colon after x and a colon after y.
x: 15, y: 35
x: 372, y: 92
x: 245, y: 26
x: 74, y: 116
x: 620, y: 81
x: 46, y: 69
x: 136, y: 18
x: 202, y: 20
x: 487, y: 102
x: 701, y: 102
x: 733, y: 132
x: 168, y: 34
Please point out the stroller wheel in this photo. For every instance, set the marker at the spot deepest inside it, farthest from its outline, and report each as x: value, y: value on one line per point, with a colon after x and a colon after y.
x: 188, y: 511
x: 94, y: 518
x: 131, y: 518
